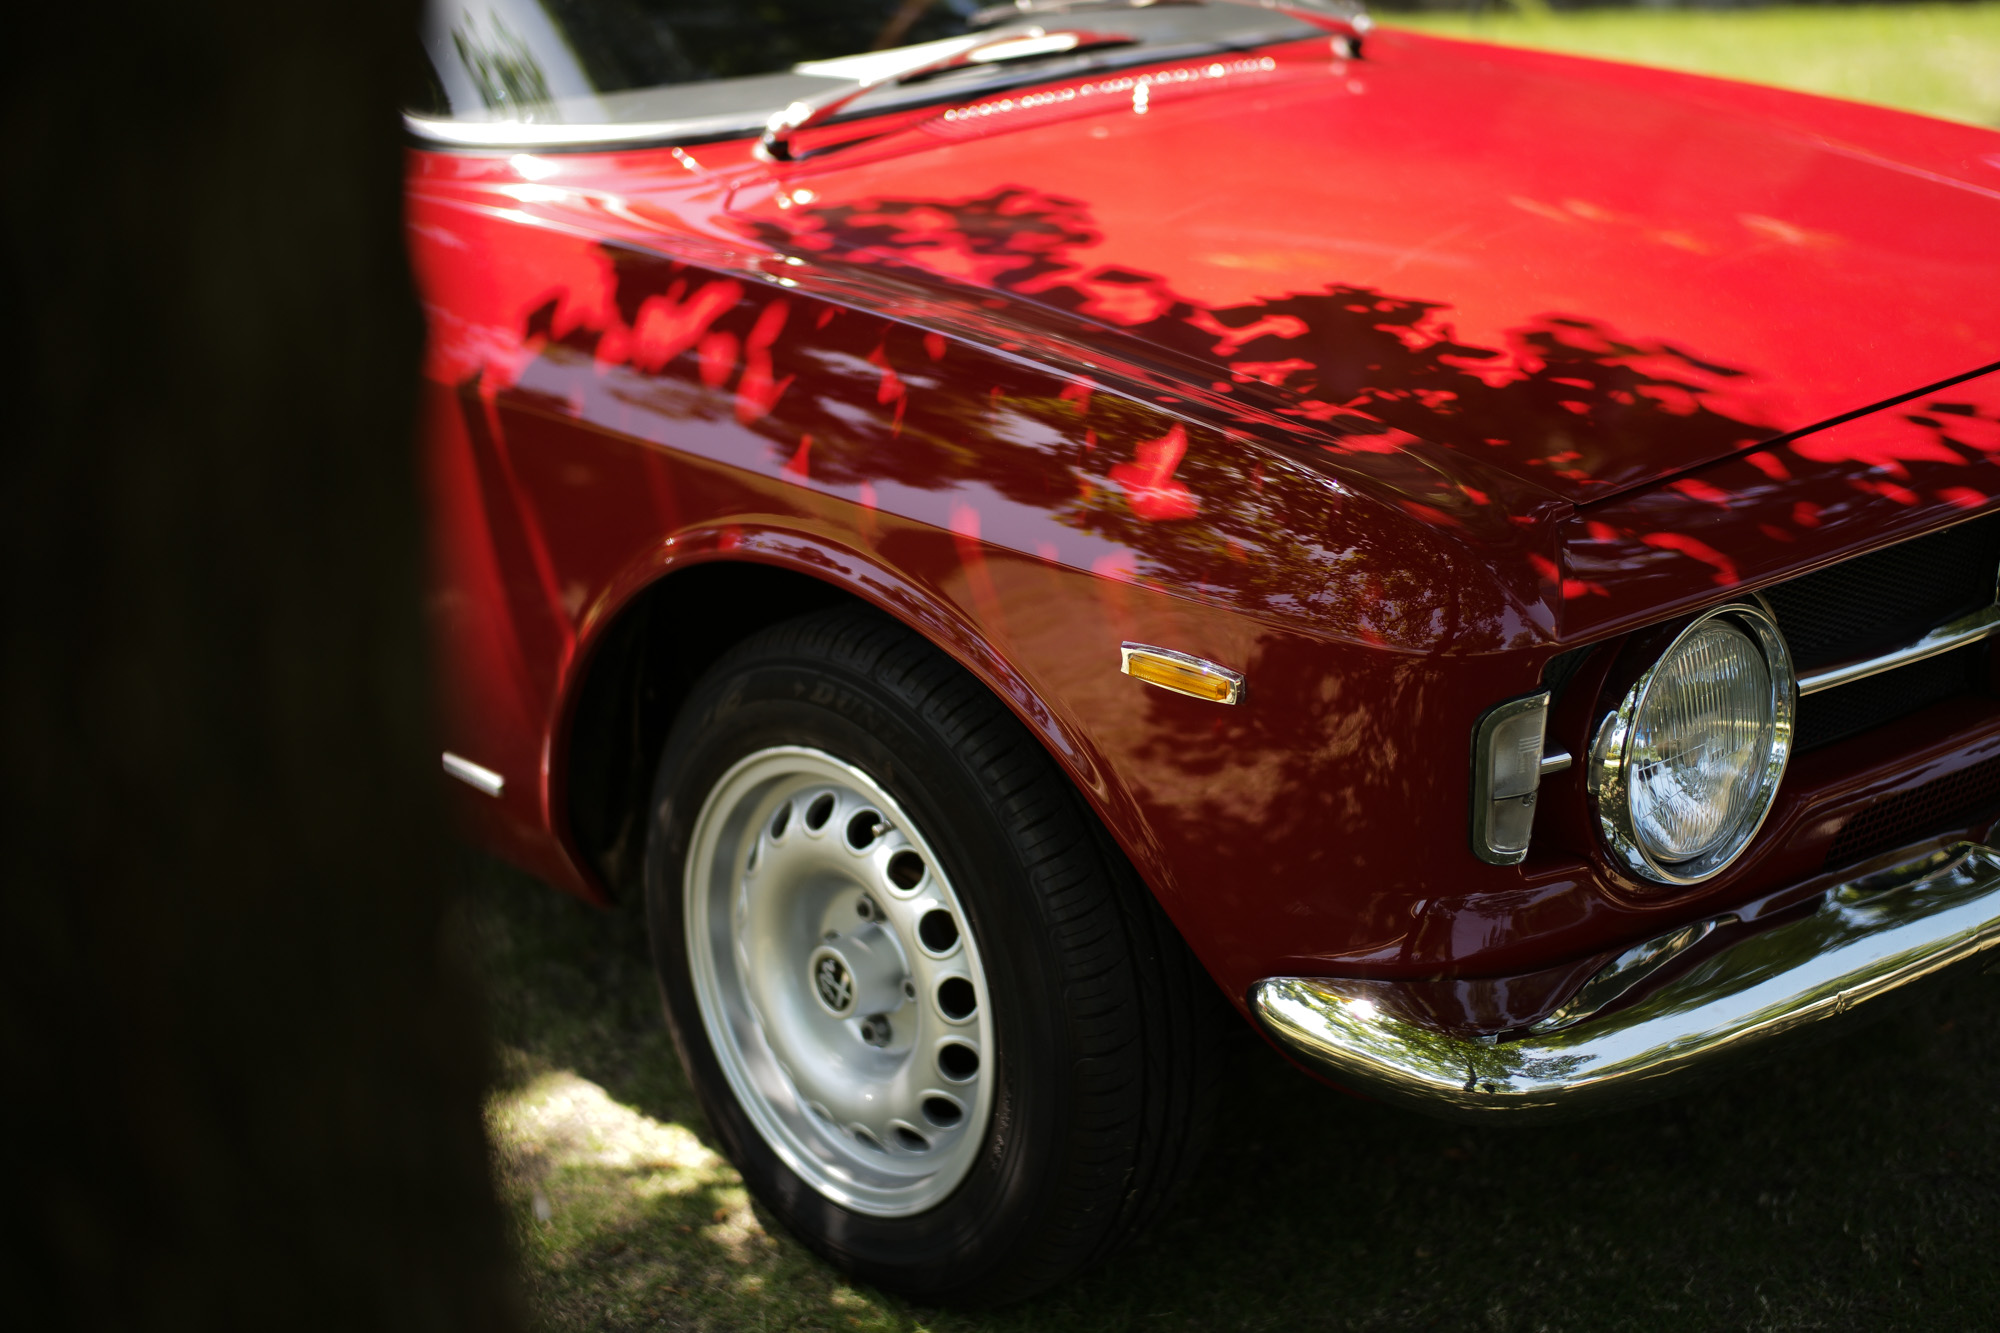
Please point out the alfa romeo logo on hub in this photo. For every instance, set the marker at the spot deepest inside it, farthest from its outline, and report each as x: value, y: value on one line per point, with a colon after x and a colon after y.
x: 833, y: 982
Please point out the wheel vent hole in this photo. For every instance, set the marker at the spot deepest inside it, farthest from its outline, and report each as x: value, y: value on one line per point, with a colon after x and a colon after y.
x: 782, y: 820
x: 906, y: 870
x: 956, y: 999
x: 942, y: 1113
x: 819, y: 812
x: 938, y: 932
x: 957, y: 1061
x: 863, y: 829
x: 865, y: 1136
x: 912, y: 1140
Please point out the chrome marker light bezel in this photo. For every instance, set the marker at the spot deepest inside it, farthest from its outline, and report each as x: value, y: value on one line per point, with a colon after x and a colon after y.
x: 1610, y: 756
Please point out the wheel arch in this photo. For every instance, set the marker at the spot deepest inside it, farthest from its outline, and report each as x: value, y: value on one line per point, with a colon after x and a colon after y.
x: 641, y: 667
x: 732, y: 582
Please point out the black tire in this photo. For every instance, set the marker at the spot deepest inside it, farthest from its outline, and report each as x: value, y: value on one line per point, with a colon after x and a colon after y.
x: 1106, y: 1030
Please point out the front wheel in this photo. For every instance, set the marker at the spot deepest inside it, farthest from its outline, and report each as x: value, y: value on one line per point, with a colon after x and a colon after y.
x: 932, y: 1015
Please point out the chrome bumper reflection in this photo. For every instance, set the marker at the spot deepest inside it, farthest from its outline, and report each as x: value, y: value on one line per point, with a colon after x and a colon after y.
x: 1869, y: 937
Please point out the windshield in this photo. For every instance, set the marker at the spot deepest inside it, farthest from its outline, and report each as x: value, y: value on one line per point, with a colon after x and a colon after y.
x: 598, y: 71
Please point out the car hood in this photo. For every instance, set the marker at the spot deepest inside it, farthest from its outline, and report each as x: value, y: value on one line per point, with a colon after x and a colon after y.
x: 1589, y: 276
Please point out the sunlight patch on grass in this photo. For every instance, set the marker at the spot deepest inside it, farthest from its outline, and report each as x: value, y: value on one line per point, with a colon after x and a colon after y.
x: 631, y: 1222
x: 560, y: 1121
x: 1935, y: 59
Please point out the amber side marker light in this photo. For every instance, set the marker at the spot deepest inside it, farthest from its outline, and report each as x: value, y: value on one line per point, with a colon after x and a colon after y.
x: 1180, y: 673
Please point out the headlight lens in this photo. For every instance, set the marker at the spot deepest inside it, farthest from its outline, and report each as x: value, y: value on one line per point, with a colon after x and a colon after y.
x: 1699, y: 742
x: 1686, y: 769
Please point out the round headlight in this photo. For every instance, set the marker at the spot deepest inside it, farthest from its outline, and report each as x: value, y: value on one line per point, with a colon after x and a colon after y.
x: 1685, y: 770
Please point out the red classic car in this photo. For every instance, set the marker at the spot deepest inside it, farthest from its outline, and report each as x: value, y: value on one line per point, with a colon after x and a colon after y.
x: 1484, y: 560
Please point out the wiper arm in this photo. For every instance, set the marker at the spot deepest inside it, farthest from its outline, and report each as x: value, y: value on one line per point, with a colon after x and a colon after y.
x: 1346, y: 19
x: 776, y: 143
x: 992, y: 14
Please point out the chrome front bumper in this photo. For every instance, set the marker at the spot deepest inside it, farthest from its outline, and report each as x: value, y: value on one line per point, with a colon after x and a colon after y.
x: 1869, y: 937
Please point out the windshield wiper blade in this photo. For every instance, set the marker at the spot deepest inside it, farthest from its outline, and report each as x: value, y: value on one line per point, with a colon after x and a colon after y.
x: 775, y: 145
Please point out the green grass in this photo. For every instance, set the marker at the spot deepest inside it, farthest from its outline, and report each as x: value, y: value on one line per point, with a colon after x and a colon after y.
x: 1851, y: 1186
x: 1941, y: 60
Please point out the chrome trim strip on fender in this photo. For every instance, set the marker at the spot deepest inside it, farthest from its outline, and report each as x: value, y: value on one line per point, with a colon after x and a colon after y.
x: 1959, y: 633
x: 1869, y: 937
x: 474, y: 775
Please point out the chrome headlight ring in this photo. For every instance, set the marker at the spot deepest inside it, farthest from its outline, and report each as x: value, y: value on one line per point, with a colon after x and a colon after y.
x: 1609, y: 782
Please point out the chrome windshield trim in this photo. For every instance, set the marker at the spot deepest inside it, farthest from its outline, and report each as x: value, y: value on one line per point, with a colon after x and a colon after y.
x: 1945, y: 638
x: 530, y: 134
x: 477, y: 776
x: 1876, y: 934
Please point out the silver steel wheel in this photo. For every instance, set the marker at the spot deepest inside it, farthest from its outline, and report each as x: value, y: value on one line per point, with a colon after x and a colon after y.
x: 838, y: 981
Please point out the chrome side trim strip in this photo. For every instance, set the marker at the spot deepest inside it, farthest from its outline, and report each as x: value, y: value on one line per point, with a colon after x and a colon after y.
x: 474, y: 775
x: 1967, y: 630
x: 1555, y: 761
x: 1872, y: 936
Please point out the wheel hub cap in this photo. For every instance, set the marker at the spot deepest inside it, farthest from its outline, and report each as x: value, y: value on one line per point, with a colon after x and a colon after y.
x: 834, y: 982
x: 839, y: 981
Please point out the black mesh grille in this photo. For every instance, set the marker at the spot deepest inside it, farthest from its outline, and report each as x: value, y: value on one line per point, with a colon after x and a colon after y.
x: 1957, y: 800
x: 1879, y: 601
x: 1836, y: 714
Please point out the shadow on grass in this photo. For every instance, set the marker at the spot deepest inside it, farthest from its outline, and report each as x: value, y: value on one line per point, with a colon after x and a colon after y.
x: 1853, y: 1185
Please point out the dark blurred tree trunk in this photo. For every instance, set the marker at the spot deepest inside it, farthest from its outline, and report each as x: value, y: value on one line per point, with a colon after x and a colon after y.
x: 242, y: 1072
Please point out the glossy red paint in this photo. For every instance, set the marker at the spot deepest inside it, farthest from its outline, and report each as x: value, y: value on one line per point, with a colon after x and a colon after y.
x: 1382, y: 381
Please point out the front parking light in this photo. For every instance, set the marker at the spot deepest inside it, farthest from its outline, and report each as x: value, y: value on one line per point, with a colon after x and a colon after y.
x: 1507, y: 768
